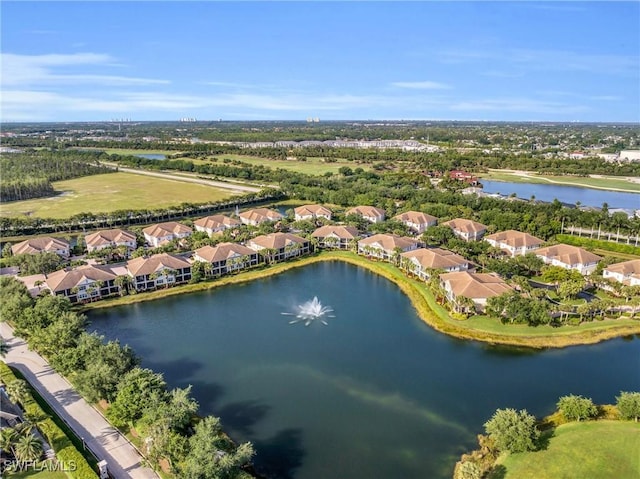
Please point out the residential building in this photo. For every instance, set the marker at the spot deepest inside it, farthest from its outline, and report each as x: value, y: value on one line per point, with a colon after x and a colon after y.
x: 467, y: 230
x: 424, y: 261
x: 514, y: 243
x: 226, y: 257
x: 386, y: 246
x: 110, y: 239
x: 311, y: 212
x: 257, y: 216
x: 569, y: 257
x: 215, y: 224
x: 84, y: 283
x: 627, y: 273
x: 369, y: 213
x: 279, y: 246
x: 333, y: 236
x: 478, y: 287
x: 162, y: 233
x: 416, y: 221
x: 158, y: 270
x: 44, y: 244
x: 464, y: 176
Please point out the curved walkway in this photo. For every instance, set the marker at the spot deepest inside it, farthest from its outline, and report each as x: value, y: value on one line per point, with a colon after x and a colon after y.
x: 101, y: 438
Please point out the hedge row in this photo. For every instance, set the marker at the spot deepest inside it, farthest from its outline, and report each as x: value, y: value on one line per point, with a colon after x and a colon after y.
x: 66, y: 452
x: 598, y: 244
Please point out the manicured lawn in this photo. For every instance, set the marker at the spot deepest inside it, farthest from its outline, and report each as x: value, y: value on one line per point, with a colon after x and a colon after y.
x: 111, y: 192
x: 594, y: 450
x: 313, y: 166
x: 37, y: 475
x: 607, y: 182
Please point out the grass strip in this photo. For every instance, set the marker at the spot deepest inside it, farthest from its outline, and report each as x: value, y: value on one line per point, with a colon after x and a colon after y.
x: 479, y: 328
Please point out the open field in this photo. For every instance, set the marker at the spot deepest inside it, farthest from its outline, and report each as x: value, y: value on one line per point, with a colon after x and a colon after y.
x: 313, y: 165
x: 480, y: 328
x: 599, y: 182
x: 111, y: 192
x: 593, y: 449
x: 131, y: 151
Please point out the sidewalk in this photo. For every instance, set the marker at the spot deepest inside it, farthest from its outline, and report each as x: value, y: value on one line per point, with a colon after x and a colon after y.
x: 102, y: 438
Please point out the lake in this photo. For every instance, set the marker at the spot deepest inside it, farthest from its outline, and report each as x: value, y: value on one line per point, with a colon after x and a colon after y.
x: 375, y: 393
x: 152, y: 156
x: 565, y: 194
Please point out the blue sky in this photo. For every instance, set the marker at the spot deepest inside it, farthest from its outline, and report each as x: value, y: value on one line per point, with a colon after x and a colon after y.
x: 556, y: 61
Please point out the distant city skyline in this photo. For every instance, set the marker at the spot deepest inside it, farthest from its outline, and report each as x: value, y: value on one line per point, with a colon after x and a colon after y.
x: 467, y: 61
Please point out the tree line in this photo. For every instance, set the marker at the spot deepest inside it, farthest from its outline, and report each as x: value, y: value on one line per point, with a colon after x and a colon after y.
x: 193, y: 447
x: 29, y: 174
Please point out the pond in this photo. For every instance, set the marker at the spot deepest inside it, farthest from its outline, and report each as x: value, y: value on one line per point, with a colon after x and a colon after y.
x: 565, y: 194
x: 374, y: 393
x: 152, y: 156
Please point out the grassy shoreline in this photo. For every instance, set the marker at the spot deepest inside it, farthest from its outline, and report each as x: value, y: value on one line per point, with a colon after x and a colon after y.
x: 477, y: 328
x: 598, y: 183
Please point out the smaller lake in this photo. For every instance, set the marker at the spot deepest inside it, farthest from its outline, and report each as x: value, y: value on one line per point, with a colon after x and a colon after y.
x: 565, y: 194
x: 152, y: 156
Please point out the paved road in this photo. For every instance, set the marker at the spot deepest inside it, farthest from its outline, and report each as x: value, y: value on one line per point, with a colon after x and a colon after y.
x: 100, y: 437
x: 189, y: 179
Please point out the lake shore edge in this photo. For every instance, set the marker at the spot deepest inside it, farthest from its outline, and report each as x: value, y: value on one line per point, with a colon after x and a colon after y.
x: 422, y: 300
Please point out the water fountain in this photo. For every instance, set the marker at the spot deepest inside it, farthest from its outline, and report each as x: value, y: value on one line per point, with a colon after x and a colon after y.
x: 310, y: 311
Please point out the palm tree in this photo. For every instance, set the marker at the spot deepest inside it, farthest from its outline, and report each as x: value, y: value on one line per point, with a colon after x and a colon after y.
x: 8, y: 439
x: 17, y: 390
x: 466, y: 305
x: 28, y: 448
x: 123, y: 282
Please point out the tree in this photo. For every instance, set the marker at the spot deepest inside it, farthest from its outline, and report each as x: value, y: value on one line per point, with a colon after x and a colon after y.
x: 18, y: 390
x: 212, y: 454
x: 575, y: 408
x: 135, y: 389
x: 570, y: 288
x: 628, y: 404
x: 513, y: 431
x: 28, y: 448
x: 468, y: 470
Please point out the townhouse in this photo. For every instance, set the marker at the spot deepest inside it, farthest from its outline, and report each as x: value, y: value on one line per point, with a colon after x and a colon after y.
x: 386, y: 246
x: 465, y: 229
x: 44, y: 244
x: 423, y: 262
x: 280, y: 246
x: 416, y: 221
x: 215, y: 224
x: 569, y: 257
x: 226, y: 257
x: 334, y: 236
x: 162, y: 233
x: 514, y: 243
x: 158, y: 270
x: 369, y: 213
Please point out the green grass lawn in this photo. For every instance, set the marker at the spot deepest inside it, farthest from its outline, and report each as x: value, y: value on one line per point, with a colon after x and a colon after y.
x: 481, y: 328
x: 594, y: 450
x: 111, y: 192
x: 37, y: 475
x: 313, y: 166
x: 608, y: 182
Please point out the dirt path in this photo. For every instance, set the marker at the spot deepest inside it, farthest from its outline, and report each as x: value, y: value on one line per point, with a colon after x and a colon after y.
x: 188, y: 178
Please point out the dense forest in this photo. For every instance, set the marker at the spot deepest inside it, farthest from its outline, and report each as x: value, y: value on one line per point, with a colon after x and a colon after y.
x: 29, y: 174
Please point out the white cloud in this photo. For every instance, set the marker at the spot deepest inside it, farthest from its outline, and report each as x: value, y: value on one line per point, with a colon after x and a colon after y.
x: 41, y: 70
x: 421, y: 85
